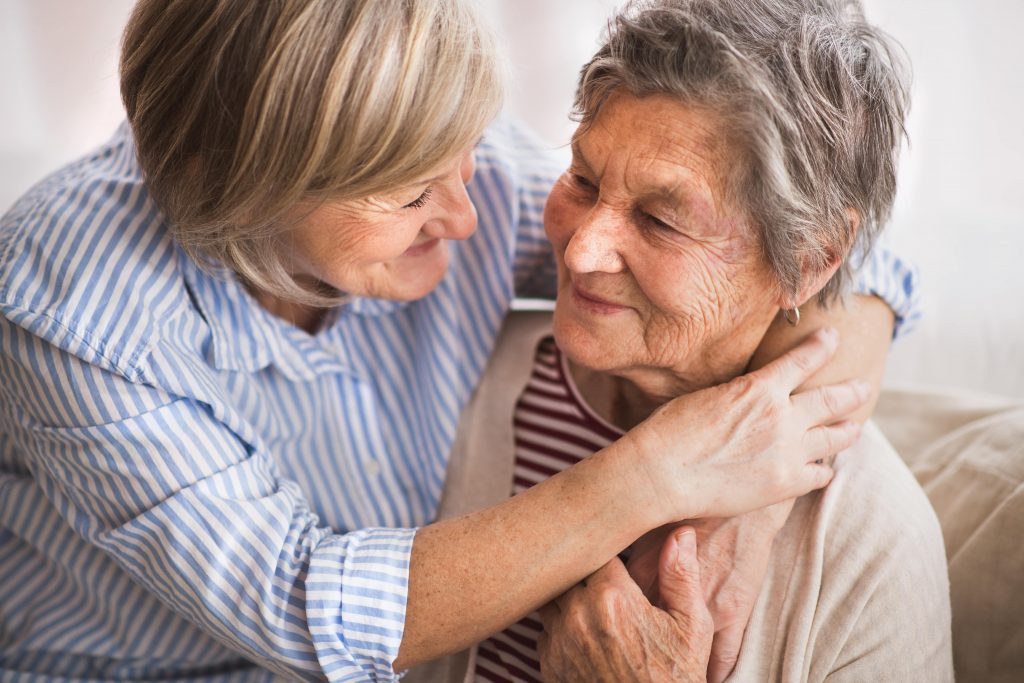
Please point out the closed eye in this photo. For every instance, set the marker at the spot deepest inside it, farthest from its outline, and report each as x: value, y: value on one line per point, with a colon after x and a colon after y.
x: 658, y: 222
x: 582, y: 181
x: 420, y: 201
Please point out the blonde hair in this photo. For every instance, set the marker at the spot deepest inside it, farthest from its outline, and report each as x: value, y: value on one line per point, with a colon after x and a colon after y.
x: 241, y: 110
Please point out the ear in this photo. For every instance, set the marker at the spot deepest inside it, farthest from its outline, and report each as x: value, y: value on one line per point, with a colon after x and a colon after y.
x: 813, y: 279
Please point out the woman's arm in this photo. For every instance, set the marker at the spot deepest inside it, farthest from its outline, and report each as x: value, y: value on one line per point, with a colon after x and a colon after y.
x: 735, y: 551
x: 472, y: 576
x: 865, y: 325
x: 192, y: 506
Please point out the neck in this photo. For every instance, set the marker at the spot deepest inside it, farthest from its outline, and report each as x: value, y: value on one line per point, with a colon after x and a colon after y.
x: 307, y: 318
x: 626, y: 399
x: 619, y: 400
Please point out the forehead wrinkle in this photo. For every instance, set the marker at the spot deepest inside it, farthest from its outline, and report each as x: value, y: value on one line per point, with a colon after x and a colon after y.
x: 671, y: 180
x: 690, y: 152
x: 681, y: 145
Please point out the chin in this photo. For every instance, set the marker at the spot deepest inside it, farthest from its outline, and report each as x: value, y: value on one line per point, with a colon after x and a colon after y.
x: 419, y: 280
x: 586, y: 346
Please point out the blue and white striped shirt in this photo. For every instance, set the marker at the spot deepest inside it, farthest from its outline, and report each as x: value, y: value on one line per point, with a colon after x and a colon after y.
x: 191, y: 487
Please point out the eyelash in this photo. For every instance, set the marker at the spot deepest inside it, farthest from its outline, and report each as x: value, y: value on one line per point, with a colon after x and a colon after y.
x: 657, y: 222
x: 420, y: 201
x: 582, y: 182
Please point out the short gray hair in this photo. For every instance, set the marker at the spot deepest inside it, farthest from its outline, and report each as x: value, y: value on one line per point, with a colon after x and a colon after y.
x: 812, y: 96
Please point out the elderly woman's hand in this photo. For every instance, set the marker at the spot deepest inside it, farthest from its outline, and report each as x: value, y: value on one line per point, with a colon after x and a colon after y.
x: 606, y: 630
x: 734, y: 553
x: 753, y: 442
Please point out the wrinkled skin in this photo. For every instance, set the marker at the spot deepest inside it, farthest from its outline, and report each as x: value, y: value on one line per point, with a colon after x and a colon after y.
x: 667, y: 642
x: 734, y: 555
x: 663, y: 290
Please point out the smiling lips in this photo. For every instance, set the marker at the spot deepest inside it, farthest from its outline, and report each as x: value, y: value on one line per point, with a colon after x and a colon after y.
x: 594, y: 303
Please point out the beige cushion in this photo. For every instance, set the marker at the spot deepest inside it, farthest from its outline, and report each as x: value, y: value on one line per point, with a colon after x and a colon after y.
x: 968, y: 454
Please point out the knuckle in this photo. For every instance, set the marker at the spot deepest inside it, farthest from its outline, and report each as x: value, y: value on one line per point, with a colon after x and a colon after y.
x: 575, y: 619
x: 751, y: 387
x: 829, y: 440
x: 804, y: 361
x: 742, y: 385
x: 832, y: 401
x: 611, y: 606
x: 773, y: 410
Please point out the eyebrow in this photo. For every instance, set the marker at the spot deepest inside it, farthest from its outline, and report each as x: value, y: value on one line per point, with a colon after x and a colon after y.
x: 663, y: 192
x: 577, y: 154
x: 430, y: 181
x: 416, y: 183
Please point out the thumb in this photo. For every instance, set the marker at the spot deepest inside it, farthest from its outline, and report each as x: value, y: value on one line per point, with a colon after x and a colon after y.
x: 679, y: 574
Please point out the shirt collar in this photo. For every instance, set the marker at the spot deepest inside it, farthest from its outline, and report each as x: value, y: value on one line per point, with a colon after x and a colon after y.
x: 247, y: 337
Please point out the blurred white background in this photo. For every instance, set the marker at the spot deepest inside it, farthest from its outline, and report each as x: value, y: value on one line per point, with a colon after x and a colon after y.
x: 959, y: 209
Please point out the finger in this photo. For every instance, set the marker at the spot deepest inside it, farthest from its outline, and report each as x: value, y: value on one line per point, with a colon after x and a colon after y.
x: 832, y: 402
x: 796, y: 366
x: 813, y: 477
x: 612, y: 572
x: 679, y: 574
x: 566, y: 599
x: 548, y: 614
x: 725, y: 651
x: 543, y: 644
x: 823, y: 443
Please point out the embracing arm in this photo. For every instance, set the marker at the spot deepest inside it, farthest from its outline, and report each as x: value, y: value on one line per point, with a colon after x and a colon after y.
x: 865, y: 325
x: 188, y: 501
x: 474, y: 575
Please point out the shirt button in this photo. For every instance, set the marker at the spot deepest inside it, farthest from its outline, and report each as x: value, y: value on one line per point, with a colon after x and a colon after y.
x: 372, y: 468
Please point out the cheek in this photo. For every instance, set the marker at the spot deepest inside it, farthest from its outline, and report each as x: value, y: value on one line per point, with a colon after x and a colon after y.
x: 677, y: 282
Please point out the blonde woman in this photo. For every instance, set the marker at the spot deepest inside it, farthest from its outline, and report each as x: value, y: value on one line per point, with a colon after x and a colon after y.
x: 235, y: 342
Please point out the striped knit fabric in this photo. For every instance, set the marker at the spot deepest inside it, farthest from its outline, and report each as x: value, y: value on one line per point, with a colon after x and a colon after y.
x: 554, y: 428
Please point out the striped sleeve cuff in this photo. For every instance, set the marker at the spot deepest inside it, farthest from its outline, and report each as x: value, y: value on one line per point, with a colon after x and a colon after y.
x: 356, y: 596
x: 896, y: 282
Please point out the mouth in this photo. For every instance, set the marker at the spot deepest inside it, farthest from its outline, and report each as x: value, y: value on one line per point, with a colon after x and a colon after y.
x: 595, y: 303
x: 421, y: 248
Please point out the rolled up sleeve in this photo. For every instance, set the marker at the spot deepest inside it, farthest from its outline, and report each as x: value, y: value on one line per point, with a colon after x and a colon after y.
x: 896, y: 282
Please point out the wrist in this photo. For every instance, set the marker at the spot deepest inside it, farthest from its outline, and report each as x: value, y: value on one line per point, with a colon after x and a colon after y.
x: 642, y: 494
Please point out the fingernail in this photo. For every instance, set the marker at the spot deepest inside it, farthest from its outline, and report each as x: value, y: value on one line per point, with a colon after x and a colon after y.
x: 830, y: 333
x: 687, y: 545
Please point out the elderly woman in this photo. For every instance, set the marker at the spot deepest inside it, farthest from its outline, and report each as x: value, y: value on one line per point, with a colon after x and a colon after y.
x: 730, y: 155
x: 236, y: 339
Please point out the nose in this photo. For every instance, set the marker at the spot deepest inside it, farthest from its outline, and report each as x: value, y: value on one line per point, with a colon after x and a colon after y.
x: 459, y: 221
x: 594, y: 245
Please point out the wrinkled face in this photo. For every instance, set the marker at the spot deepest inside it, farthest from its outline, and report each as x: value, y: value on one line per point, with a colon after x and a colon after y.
x: 388, y: 247
x: 660, y: 279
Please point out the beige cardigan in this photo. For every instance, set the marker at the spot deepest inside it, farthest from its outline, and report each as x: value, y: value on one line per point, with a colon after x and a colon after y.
x: 857, y: 589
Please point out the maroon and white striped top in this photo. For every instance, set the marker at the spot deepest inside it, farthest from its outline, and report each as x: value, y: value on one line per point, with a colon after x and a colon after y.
x: 554, y: 428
